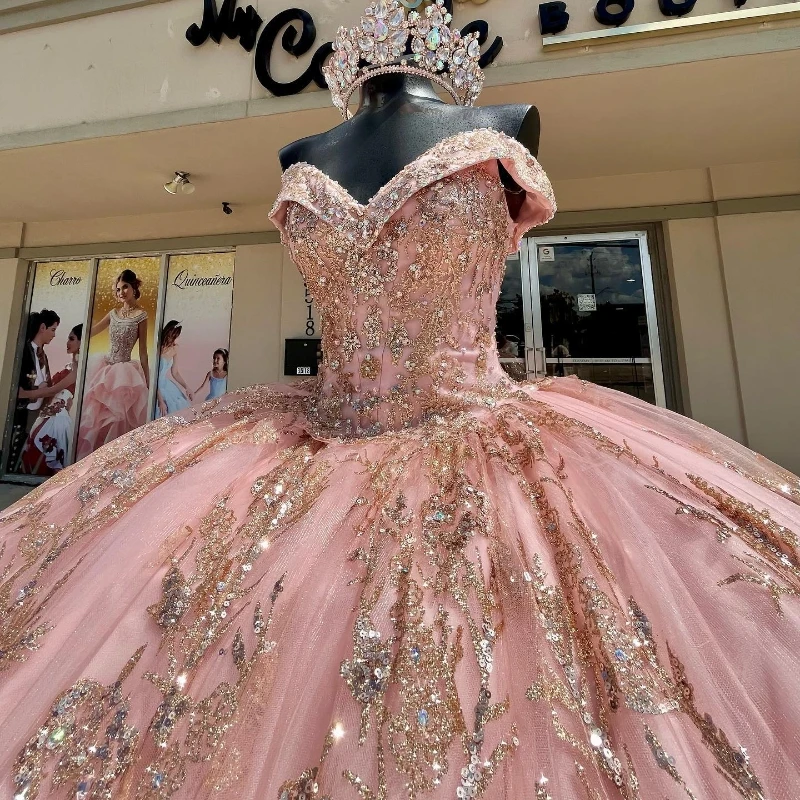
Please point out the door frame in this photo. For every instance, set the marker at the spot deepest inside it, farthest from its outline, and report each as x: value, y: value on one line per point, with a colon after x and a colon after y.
x: 529, y: 267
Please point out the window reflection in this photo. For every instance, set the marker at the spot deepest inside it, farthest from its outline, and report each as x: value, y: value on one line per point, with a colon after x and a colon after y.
x: 510, y: 331
x: 592, y: 301
x: 593, y: 324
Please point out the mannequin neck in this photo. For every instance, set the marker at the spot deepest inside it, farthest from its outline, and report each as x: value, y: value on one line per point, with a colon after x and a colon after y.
x: 381, y: 90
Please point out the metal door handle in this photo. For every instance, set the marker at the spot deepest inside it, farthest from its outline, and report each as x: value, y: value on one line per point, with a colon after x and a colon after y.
x: 539, y: 369
x: 543, y: 368
x: 532, y: 371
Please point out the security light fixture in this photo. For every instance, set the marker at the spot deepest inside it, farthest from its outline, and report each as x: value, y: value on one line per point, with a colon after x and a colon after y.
x: 180, y: 183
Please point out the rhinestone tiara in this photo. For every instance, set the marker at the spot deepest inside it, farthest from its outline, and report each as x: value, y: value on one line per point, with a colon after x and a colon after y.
x: 380, y: 45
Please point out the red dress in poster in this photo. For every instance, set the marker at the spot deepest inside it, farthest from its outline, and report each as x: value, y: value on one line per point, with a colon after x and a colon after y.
x: 47, y: 447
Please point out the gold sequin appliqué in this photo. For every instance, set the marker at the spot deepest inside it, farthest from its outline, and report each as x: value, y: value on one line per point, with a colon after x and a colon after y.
x: 407, y: 286
x: 425, y: 336
x: 88, y: 741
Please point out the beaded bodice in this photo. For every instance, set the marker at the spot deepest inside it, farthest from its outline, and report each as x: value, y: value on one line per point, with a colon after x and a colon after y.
x: 406, y: 284
x: 123, y: 332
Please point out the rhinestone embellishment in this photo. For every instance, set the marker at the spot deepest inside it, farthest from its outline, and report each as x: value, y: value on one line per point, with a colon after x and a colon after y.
x: 380, y: 44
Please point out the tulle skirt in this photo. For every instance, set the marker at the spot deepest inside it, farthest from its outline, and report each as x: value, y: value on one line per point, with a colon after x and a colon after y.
x: 114, y: 402
x: 565, y: 593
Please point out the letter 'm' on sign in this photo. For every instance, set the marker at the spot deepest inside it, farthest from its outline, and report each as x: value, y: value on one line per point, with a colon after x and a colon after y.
x: 231, y: 21
x: 606, y: 17
x: 553, y: 17
x: 669, y: 8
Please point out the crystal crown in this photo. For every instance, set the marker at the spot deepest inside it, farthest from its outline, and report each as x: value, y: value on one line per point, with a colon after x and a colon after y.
x: 381, y: 45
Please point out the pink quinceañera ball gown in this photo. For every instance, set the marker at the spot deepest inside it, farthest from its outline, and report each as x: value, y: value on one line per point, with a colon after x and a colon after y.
x: 412, y: 578
x: 115, y: 400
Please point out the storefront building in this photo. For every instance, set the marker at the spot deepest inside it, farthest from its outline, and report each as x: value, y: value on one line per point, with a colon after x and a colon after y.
x: 671, y: 132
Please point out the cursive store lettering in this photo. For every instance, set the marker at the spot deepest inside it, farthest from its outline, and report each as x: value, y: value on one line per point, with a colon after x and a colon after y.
x: 244, y: 24
x: 183, y: 280
x: 59, y: 277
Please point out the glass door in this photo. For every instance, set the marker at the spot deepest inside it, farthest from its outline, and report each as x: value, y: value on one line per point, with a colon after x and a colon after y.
x: 592, y: 311
x: 514, y: 327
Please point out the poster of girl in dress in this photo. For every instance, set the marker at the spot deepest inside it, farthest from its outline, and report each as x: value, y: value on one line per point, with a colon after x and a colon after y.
x: 43, y: 415
x: 194, y: 340
x: 120, y: 340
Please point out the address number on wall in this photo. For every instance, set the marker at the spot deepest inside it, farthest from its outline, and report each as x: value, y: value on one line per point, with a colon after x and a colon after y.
x: 304, y: 370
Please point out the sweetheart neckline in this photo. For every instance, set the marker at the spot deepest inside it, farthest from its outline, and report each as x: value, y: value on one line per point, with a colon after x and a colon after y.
x: 397, y: 178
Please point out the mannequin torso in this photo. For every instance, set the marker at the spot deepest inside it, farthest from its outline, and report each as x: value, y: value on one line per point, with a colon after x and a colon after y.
x: 401, y: 117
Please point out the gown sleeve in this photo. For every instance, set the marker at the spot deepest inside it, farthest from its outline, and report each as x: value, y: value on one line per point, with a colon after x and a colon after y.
x: 277, y: 216
x: 539, y: 203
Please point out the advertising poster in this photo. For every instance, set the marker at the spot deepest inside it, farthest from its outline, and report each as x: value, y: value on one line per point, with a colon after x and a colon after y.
x: 121, y: 361
x: 194, y: 340
x: 44, y: 411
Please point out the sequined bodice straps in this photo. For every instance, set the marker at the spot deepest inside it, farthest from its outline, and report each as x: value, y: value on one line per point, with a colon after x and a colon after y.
x: 301, y: 184
x: 123, y: 332
x: 406, y: 284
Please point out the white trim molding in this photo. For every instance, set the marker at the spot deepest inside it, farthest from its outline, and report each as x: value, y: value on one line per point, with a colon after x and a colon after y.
x: 649, y: 30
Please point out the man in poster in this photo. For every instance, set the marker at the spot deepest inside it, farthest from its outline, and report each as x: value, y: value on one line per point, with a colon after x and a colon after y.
x: 34, y: 373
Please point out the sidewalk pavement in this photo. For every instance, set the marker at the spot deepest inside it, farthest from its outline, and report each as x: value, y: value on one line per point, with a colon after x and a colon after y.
x: 11, y: 492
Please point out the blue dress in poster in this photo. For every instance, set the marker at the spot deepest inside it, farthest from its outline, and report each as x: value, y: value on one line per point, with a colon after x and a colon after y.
x: 173, y: 396
x: 217, y: 387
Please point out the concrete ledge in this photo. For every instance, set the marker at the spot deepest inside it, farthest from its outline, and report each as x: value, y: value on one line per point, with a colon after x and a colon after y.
x: 95, y: 250
x: 645, y: 214
x: 122, y: 127
x: 11, y: 490
x: 758, y: 205
x: 19, y: 15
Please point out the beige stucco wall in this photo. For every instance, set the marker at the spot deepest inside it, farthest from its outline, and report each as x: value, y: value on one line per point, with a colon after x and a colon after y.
x: 761, y: 260
x: 136, y: 63
x: 734, y: 279
x: 628, y: 191
x: 256, y: 345
x: 711, y: 391
x: 736, y: 287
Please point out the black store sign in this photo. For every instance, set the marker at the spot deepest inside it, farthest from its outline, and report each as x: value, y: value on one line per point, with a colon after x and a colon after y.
x: 244, y: 24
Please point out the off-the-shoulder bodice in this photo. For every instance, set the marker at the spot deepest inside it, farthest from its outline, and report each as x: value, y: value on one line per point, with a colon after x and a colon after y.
x: 407, y: 283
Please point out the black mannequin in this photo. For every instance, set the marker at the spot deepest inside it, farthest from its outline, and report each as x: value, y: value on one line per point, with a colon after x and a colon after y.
x: 398, y: 119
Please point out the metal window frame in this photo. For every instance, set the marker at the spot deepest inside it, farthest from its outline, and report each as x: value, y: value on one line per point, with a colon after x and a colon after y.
x: 164, y: 256
x: 530, y: 259
x: 525, y: 287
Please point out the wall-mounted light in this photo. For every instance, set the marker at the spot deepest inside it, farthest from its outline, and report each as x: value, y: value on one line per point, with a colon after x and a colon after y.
x: 180, y: 183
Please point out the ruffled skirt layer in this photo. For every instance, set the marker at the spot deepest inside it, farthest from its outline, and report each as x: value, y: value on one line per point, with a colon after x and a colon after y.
x: 114, y: 402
